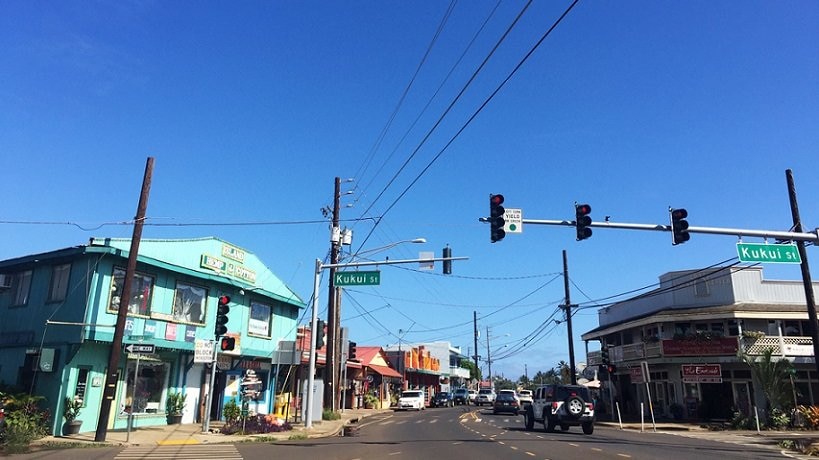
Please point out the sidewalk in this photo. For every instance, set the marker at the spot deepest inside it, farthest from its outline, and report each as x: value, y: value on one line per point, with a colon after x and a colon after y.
x: 192, y: 433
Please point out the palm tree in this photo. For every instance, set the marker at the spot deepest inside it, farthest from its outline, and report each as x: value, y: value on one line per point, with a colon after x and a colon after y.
x: 774, y: 378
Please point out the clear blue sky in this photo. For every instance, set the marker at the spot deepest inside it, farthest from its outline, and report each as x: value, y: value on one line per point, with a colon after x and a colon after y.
x: 252, y: 108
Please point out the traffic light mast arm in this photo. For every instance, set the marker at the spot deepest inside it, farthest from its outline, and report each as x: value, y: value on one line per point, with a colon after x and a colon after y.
x: 794, y: 236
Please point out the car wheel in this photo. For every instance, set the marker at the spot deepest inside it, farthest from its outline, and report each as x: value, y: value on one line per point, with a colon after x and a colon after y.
x: 588, y: 428
x: 548, y: 424
x: 529, y: 419
x: 574, y: 406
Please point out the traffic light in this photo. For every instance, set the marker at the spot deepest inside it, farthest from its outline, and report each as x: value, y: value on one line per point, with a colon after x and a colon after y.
x: 604, y: 352
x: 583, y: 221
x: 679, y: 226
x: 611, y: 368
x: 319, y: 334
x: 447, y: 263
x: 222, y: 311
x: 227, y: 343
x: 351, y: 350
x: 496, y: 221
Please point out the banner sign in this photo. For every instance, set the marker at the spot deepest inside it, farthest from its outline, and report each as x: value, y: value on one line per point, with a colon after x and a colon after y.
x: 702, y: 373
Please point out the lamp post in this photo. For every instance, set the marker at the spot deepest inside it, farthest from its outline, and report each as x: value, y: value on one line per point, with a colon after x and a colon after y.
x: 401, y: 334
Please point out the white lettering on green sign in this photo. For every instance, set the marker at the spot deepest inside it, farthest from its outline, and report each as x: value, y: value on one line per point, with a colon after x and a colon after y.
x: 371, y: 278
x: 773, y: 253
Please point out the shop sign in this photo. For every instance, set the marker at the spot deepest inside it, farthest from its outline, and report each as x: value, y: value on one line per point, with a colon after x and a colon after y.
x: 713, y: 347
x: 636, y: 374
x: 702, y: 373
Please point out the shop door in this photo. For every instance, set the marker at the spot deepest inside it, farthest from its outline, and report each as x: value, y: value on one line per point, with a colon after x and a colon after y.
x: 742, y: 397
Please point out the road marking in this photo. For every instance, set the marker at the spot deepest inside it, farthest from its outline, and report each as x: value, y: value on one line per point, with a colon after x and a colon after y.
x: 419, y: 421
x: 501, y: 443
x: 624, y: 455
x: 513, y: 447
x: 530, y: 454
x: 394, y: 453
x: 574, y: 445
x: 433, y: 420
x: 597, y: 449
x: 457, y: 443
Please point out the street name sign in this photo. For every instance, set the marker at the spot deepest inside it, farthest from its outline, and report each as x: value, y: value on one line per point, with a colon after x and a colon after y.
x: 514, y: 220
x: 363, y: 278
x: 143, y: 348
x: 773, y: 253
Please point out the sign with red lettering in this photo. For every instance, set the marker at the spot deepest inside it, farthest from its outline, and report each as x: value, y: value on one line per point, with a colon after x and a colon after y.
x: 702, y: 373
x: 713, y: 347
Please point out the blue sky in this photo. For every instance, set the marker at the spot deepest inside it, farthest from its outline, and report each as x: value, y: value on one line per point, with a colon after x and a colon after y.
x: 252, y: 108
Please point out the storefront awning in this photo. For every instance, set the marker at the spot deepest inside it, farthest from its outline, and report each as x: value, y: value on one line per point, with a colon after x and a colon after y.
x: 424, y: 371
x: 385, y: 371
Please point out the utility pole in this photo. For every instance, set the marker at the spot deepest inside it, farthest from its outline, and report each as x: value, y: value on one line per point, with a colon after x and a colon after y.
x: 332, y: 317
x: 111, y: 377
x: 806, y: 279
x: 489, y: 358
x: 475, y: 335
x: 568, y: 307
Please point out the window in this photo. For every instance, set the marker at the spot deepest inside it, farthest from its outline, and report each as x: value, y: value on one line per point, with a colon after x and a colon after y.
x: 141, y: 290
x: 259, y: 323
x: 718, y: 329
x: 144, y: 392
x: 59, y: 282
x: 733, y: 327
x: 21, y: 285
x: 792, y: 328
x: 82, y: 383
x: 189, y: 303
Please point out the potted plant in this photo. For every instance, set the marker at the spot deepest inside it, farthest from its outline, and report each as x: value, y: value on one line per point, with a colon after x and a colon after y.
x: 370, y: 401
x: 71, y: 410
x: 174, y: 405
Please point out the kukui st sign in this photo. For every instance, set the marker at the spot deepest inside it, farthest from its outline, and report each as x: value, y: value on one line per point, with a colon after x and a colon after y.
x: 773, y: 253
x: 363, y: 278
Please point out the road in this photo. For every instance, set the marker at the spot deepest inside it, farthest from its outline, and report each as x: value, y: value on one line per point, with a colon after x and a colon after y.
x: 454, y: 433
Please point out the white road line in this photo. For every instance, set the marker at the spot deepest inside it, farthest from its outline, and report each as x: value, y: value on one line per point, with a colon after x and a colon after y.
x: 433, y: 420
x: 530, y: 454
x: 624, y: 455
x: 597, y: 449
x: 513, y: 447
x: 574, y: 445
x: 394, y: 453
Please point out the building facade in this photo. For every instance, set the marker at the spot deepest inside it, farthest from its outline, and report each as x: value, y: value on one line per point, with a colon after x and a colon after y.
x: 60, y: 308
x: 683, y: 343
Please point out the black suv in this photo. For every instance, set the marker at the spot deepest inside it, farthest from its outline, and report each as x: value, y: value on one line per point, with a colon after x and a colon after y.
x: 561, y: 405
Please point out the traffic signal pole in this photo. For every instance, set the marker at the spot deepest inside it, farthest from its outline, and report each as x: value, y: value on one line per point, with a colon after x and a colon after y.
x: 310, y: 400
x: 794, y: 236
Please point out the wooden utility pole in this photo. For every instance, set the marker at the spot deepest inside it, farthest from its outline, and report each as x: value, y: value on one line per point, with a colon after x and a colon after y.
x: 568, y: 307
x: 112, y: 374
x: 806, y: 279
x: 330, y: 383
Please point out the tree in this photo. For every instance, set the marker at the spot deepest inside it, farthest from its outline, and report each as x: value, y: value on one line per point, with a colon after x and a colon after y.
x: 772, y: 376
x: 545, y: 378
x: 474, y: 372
x: 565, y: 372
x: 501, y: 383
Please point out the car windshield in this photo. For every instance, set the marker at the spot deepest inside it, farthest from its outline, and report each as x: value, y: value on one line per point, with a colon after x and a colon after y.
x: 506, y: 397
x: 443, y: 394
x: 411, y: 394
x: 485, y: 392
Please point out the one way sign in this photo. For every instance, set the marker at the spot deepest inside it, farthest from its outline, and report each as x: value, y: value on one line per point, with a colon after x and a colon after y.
x: 140, y: 348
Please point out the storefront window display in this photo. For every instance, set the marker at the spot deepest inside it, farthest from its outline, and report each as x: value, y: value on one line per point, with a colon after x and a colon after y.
x: 189, y: 303
x: 259, y: 323
x: 144, y: 392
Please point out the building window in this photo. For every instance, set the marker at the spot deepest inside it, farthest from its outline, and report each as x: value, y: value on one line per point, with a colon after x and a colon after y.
x: 59, y: 282
x: 792, y: 328
x: 189, y: 303
x: 733, y: 327
x: 141, y: 290
x: 259, y: 323
x: 144, y: 392
x: 21, y: 285
x: 82, y: 383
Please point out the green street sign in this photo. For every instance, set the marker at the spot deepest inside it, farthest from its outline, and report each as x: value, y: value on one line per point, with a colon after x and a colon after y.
x: 773, y: 253
x: 371, y: 278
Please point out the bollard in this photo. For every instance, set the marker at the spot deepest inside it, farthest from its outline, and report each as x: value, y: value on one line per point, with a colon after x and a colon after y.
x: 619, y: 417
x: 642, y: 417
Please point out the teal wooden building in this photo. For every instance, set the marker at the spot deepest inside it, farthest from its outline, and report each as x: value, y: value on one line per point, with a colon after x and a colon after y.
x: 58, y: 310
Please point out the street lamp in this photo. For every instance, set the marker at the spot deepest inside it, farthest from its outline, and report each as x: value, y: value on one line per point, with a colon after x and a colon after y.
x: 391, y: 245
x: 401, y: 334
x: 308, y: 419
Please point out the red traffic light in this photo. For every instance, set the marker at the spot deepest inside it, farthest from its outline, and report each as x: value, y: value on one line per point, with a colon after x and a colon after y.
x: 582, y: 209
x: 224, y: 300
x: 496, y: 200
x: 677, y: 214
x: 227, y: 343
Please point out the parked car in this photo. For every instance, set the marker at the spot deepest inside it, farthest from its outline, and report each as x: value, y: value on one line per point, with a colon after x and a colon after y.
x: 485, y: 396
x: 473, y: 396
x: 411, y: 399
x: 442, y: 399
x: 512, y: 393
x: 561, y: 405
x: 460, y: 396
x: 506, y: 401
x: 525, y: 397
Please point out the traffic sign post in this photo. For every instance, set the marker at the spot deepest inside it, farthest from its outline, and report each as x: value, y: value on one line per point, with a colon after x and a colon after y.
x: 144, y: 348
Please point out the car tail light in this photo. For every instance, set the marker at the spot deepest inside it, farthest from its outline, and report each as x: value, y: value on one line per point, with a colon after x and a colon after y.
x: 554, y: 405
x: 590, y: 406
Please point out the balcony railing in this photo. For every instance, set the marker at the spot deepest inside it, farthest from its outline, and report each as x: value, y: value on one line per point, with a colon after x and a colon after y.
x: 719, y: 346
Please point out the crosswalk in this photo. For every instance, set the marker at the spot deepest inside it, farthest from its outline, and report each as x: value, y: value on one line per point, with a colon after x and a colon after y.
x: 182, y: 452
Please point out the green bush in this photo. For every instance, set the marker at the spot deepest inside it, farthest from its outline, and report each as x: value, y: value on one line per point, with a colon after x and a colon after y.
x: 329, y: 414
x: 231, y: 411
x: 25, y: 421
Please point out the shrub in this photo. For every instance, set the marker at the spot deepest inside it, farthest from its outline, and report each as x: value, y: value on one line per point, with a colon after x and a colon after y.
x: 329, y: 414
x: 257, y: 424
x: 778, y: 419
x: 24, y: 421
x: 231, y: 412
x: 811, y: 415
